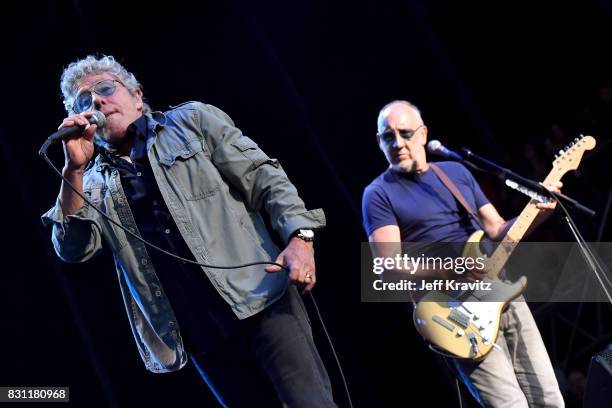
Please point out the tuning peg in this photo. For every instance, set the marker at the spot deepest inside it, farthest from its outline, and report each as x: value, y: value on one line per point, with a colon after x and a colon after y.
x: 577, y: 139
x: 560, y: 152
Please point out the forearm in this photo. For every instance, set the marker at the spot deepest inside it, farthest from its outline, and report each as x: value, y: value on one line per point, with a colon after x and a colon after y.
x: 505, y: 227
x: 70, y: 201
x: 499, y: 231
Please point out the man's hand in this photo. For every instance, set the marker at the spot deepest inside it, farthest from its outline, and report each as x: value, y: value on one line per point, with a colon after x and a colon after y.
x: 299, y: 258
x: 546, y: 209
x: 79, y: 149
x: 473, y: 275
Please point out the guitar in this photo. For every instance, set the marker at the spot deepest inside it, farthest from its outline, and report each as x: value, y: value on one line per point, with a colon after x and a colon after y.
x: 467, y: 327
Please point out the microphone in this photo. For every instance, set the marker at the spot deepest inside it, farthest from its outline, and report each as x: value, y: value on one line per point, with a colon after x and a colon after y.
x: 97, y: 118
x: 435, y: 147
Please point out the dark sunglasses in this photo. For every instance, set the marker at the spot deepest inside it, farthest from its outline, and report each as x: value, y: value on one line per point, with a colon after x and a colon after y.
x: 389, y: 135
x: 84, y: 100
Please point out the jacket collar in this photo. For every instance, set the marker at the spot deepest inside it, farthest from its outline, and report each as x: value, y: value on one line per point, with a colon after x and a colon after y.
x: 155, y: 121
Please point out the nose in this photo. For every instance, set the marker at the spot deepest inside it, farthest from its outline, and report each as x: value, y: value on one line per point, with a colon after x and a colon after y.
x: 399, y: 141
x: 98, y: 101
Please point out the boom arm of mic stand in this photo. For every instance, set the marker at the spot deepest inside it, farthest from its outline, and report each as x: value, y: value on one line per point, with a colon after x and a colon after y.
x: 509, y: 174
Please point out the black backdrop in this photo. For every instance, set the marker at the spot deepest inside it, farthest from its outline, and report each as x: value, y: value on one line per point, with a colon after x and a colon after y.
x: 305, y: 79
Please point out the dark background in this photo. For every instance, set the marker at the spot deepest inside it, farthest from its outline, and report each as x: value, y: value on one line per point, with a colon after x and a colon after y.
x: 513, y: 81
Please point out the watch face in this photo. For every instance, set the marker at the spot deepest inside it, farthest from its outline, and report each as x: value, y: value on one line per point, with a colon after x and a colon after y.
x: 307, y: 233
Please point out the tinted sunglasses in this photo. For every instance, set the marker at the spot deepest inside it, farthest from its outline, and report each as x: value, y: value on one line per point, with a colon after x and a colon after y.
x: 84, y: 99
x: 389, y: 135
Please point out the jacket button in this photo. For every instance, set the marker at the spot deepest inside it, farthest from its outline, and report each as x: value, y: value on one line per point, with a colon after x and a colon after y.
x: 145, y: 261
x: 158, y: 293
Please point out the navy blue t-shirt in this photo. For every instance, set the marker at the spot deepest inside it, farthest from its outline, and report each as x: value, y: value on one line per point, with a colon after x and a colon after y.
x: 421, y: 206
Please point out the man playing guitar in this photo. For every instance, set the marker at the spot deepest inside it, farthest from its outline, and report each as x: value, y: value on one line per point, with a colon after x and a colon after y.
x: 410, y: 203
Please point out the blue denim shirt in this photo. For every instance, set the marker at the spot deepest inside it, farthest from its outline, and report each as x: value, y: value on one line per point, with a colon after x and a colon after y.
x: 214, y: 181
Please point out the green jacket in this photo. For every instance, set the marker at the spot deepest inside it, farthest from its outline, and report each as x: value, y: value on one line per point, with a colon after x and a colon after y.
x: 214, y: 181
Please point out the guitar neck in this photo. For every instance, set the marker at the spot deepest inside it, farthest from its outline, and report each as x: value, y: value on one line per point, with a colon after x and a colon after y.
x: 517, y: 231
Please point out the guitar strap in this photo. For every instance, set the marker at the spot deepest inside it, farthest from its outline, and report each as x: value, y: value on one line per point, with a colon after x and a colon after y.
x: 456, y: 193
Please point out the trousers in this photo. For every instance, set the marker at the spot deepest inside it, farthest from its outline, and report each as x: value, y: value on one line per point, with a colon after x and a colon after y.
x: 271, y: 361
x: 520, y: 373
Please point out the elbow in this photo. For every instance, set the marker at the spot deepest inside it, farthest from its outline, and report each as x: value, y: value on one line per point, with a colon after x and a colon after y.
x: 498, y: 231
x: 72, y: 251
x: 71, y: 254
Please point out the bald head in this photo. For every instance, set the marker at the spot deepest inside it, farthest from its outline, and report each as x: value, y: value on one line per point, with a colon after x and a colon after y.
x: 402, y: 136
x: 394, y: 110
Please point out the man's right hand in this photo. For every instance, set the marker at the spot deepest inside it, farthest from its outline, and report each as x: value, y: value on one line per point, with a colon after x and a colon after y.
x: 78, y: 149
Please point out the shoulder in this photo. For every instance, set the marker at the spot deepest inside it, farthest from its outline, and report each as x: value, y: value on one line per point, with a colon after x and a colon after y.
x: 204, y: 112
x: 454, y: 169
x: 379, y: 186
x: 451, y: 166
x: 379, y: 182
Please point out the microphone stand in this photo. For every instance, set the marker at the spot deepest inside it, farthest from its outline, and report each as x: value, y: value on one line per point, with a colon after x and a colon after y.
x: 509, y: 177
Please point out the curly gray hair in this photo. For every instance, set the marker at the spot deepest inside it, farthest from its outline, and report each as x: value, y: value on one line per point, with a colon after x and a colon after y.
x: 92, y: 65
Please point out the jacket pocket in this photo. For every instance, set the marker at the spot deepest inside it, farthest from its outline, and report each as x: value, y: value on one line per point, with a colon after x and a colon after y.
x: 252, y: 152
x: 194, y: 173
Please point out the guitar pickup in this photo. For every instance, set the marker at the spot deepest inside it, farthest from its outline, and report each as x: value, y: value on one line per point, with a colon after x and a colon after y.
x: 460, y: 318
x: 442, y: 322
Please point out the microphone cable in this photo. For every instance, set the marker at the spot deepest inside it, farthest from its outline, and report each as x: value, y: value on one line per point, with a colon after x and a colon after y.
x: 43, y: 153
x: 590, y: 258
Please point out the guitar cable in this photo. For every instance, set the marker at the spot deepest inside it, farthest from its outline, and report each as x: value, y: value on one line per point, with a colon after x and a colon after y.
x: 43, y: 154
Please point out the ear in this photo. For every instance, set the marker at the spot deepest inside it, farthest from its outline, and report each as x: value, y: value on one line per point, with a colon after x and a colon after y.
x: 424, y: 135
x: 378, y: 142
x: 138, y: 96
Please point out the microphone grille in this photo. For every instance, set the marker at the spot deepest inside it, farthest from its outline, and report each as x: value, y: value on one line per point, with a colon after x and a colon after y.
x: 434, y: 146
x: 98, y: 118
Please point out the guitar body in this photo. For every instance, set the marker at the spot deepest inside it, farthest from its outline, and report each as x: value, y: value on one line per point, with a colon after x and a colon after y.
x: 465, y: 328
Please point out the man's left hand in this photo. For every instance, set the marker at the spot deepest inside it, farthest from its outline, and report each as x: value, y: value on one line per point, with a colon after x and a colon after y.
x: 298, y: 256
x: 546, y: 209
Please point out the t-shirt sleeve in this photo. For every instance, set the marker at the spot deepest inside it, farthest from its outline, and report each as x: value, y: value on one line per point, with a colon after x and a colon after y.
x: 479, y: 197
x: 376, y: 209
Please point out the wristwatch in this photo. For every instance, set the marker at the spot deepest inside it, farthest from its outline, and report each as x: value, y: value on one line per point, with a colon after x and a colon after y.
x: 305, y: 234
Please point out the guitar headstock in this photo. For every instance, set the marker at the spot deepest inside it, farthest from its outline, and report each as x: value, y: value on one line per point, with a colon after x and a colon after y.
x: 570, y: 157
